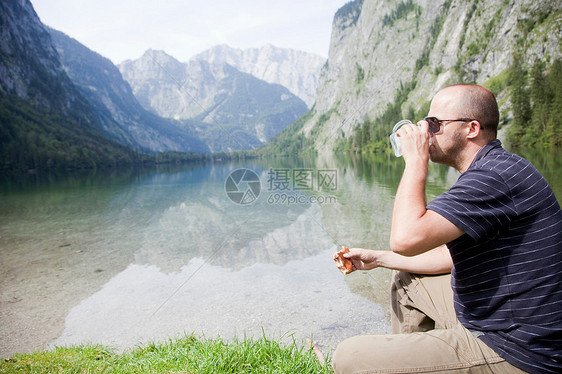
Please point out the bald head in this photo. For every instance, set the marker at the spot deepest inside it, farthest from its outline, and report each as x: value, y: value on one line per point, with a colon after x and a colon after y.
x: 473, y: 101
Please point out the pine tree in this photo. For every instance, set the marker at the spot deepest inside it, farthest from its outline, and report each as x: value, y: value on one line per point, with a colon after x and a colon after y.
x: 520, y: 101
x: 554, y: 124
x: 541, y: 99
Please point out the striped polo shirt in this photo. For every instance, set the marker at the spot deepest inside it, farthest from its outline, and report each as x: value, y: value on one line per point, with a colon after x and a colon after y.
x: 507, y: 275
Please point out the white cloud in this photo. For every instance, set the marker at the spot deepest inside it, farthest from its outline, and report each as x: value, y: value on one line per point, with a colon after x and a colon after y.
x: 124, y: 29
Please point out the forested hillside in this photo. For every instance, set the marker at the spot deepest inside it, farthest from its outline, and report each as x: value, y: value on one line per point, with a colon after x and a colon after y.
x: 44, y: 121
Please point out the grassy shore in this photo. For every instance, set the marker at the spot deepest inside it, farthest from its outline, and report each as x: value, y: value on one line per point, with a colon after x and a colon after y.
x: 186, y: 355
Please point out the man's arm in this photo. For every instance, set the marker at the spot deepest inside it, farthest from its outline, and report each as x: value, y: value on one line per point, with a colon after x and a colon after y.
x: 435, y: 261
x: 415, y: 229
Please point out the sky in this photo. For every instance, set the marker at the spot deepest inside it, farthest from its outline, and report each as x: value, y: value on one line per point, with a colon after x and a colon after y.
x: 125, y: 29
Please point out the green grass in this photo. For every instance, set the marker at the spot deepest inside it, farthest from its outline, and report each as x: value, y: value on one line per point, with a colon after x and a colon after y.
x: 186, y: 355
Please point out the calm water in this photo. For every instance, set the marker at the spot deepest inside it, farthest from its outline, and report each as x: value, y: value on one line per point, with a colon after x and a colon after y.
x: 130, y: 257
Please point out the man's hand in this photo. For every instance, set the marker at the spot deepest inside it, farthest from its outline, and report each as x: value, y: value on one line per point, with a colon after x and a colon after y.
x: 415, y: 143
x: 435, y: 261
x: 363, y: 259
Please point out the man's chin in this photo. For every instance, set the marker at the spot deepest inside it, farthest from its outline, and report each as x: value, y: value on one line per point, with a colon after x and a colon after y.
x: 434, y: 156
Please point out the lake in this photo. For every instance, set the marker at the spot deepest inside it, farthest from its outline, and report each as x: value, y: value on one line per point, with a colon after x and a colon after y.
x: 127, y: 257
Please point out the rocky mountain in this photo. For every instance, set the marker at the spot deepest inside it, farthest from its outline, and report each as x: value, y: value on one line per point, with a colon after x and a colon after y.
x: 388, y: 58
x: 115, y: 106
x: 45, y: 122
x: 297, y: 70
x: 29, y: 65
x: 235, y: 110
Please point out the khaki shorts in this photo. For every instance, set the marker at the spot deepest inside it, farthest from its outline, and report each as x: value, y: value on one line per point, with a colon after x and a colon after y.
x: 426, y: 336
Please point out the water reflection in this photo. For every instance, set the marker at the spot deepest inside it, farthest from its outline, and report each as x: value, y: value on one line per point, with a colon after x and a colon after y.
x: 303, y: 297
x: 137, y: 255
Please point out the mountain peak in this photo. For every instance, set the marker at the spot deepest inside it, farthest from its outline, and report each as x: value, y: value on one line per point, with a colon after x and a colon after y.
x: 299, y: 71
x: 215, y: 93
x: 158, y: 57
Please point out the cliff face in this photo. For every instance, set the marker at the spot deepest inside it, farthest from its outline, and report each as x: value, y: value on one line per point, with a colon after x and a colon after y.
x: 382, y: 48
x: 29, y: 64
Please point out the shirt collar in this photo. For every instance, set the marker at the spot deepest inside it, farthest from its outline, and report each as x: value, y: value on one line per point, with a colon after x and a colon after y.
x: 494, y: 144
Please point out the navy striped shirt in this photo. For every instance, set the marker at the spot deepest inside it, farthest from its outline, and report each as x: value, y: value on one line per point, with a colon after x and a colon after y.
x: 507, y: 275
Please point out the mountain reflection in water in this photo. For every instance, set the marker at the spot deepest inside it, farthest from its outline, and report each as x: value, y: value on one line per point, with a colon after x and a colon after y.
x: 126, y: 257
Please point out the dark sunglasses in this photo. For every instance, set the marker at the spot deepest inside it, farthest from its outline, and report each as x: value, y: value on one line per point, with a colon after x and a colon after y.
x: 435, y: 124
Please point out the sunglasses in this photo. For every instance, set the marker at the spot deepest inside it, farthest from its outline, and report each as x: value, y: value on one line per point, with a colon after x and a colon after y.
x: 435, y: 124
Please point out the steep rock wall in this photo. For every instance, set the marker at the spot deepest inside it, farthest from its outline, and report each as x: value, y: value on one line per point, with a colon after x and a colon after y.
x: 379, y: 48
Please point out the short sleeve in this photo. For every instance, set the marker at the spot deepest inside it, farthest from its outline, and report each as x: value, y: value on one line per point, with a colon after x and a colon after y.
x: 479, y: 204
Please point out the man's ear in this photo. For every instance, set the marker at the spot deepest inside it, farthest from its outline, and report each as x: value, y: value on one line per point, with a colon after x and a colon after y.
x: 474, y: 129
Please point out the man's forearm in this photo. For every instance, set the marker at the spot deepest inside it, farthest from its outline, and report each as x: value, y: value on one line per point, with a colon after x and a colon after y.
x: 409, y: 205
x: 435, y: 261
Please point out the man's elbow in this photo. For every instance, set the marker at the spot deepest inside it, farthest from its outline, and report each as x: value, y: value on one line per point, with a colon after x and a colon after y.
x: 404, y: 245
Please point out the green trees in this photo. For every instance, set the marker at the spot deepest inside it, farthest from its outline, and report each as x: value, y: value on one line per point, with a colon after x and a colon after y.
x: 536, y: 99
x: 402, y: 11
x: 291, y: 141
x: 536, y: 104
x: 37, y: 138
